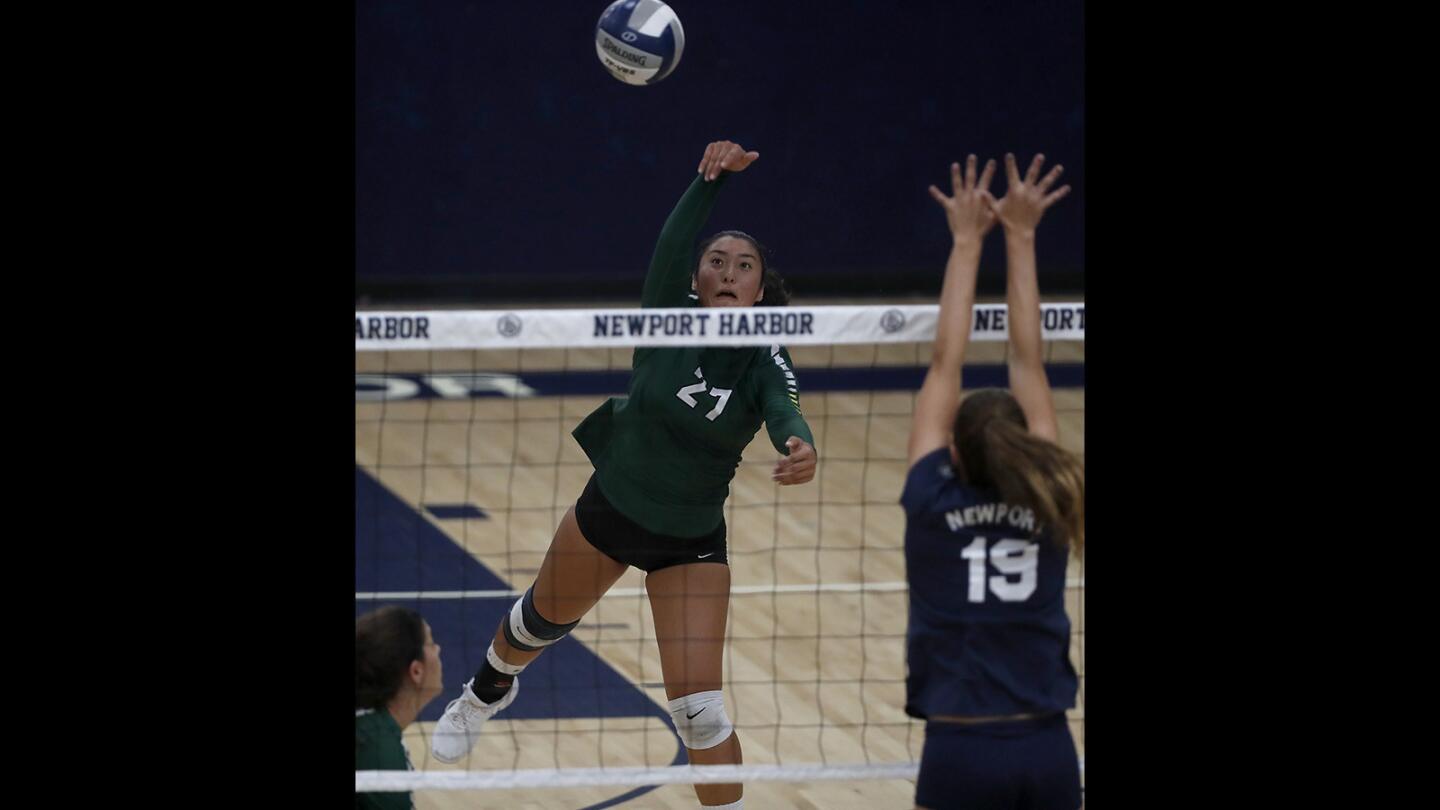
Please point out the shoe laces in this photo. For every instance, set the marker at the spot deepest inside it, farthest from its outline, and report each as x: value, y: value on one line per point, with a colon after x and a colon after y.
x: 461, y: 717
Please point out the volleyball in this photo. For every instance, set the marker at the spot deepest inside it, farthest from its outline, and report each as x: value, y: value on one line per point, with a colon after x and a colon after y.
x: 639, y: 41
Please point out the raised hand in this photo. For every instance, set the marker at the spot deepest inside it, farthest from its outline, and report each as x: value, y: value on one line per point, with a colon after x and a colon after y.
x: 969, y: 211
x: 1026, y: 199
x: 726, y: 155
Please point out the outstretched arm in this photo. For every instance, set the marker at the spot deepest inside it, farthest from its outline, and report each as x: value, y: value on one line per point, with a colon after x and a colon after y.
x: 970, y: 217
x: 667, y: 284
x: 1019, y: 212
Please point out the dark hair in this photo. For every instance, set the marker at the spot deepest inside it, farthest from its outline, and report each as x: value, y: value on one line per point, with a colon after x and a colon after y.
x: 998, y: 451
x: 386, y: 641
x: 777, y: 293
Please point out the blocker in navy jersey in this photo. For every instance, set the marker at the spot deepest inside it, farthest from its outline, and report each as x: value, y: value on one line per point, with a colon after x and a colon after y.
x: 988, y: 633
x: 639, y: 41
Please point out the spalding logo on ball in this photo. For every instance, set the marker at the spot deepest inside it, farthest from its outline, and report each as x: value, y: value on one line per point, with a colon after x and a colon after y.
x: 639, y: 41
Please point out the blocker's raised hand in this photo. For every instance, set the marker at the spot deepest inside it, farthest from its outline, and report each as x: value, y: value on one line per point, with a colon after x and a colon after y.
x: 1026, y: 199
x: 969, y: 211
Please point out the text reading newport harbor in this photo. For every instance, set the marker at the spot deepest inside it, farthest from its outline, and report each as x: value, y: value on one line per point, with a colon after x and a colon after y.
x: 727, y: 324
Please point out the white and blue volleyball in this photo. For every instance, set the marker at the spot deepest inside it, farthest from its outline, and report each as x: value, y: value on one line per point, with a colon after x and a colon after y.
x: 639, y: 41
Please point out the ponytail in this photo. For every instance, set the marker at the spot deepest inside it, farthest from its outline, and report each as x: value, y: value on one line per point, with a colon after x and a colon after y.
x: 1040, y: 474
x: 997, y: 450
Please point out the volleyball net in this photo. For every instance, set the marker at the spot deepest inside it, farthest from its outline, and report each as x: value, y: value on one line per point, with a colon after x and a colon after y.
x: 465, y: 466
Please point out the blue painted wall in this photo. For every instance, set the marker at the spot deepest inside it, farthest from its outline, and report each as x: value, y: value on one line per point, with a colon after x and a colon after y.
x: 495, y: 156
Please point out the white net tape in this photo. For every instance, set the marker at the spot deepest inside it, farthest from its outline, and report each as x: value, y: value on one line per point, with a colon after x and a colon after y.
x: 739, y: 326
x: 601, y: 777
x: 604, y: 777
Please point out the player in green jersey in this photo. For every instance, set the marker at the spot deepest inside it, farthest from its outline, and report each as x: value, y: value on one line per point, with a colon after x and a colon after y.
x: 664, y: 457
x: 397, y: 672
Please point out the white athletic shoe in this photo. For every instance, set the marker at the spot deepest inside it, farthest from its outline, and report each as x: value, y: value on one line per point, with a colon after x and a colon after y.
x: 456, y: 730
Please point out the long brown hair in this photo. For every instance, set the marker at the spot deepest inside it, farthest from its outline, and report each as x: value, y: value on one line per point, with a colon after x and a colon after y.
x: 997, y: 450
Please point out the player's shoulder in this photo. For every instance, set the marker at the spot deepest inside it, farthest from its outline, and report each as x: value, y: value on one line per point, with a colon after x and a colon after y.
x: 370, y: 737
x: 775, y: 354
x: 937, y: 462
x: 772, y: 362
x: 932, y: 484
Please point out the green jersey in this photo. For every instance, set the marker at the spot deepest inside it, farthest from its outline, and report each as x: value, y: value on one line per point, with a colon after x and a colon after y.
x: 665, y: 454
x: 378, y: 748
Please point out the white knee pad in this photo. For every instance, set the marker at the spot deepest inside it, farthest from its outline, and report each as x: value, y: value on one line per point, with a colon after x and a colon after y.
x: 700, y: 719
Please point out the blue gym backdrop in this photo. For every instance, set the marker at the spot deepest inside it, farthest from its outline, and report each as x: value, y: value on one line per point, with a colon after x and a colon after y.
x: 495, y: 158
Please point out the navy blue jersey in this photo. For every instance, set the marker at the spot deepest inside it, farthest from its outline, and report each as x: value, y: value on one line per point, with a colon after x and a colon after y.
x: 988, y: 632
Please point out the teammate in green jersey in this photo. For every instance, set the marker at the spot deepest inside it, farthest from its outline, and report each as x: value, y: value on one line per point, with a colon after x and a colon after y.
x: 664, y: 457
x: 397, y: 672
